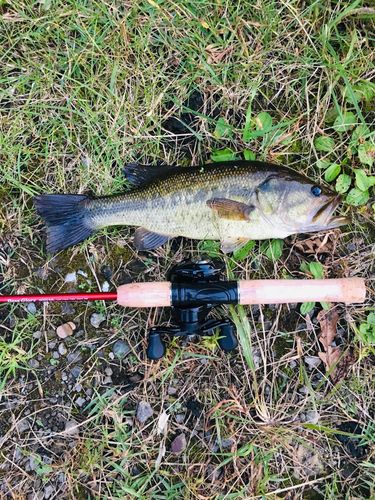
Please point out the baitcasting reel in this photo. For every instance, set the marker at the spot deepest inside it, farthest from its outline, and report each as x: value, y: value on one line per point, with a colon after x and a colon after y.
x: 192, y: 320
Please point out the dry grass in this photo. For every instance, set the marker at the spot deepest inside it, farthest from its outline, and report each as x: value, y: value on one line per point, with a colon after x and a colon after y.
x: 88, y: 86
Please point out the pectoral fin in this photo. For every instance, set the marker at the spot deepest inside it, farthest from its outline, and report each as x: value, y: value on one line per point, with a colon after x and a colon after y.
x: 230, y: 209
x: 147, y: 240
x: 232, y: 245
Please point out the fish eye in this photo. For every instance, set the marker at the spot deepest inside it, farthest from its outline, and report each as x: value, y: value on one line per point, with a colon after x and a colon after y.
x: 316, y: 191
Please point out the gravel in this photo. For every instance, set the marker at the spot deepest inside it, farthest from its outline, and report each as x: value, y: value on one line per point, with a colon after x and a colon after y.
x: 31, y: 308
x: 65, y: 330
x: 121, y: 349
x: 96, y: 319
x: 62, y: 349
x: 178, y: 445
x: 144, y: 411
x: 80, y: 401
x: 71, y: 277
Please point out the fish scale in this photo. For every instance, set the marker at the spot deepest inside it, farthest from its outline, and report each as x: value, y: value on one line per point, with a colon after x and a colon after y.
x: 231, y: 201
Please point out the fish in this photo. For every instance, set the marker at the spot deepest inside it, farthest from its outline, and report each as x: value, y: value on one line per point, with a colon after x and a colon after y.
x: 228, y: 201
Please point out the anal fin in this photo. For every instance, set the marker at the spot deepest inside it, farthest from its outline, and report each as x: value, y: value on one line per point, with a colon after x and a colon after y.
x: 148, y: 240
x: 233, y: 244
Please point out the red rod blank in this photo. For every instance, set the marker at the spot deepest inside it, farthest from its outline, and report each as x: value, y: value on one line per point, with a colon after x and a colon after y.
x: 59, y: 297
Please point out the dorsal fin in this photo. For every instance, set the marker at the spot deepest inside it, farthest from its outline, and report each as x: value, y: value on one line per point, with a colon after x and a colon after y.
x: 140, y: 175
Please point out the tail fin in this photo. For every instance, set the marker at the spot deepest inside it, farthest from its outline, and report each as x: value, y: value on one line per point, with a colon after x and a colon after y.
x: 64, y: 215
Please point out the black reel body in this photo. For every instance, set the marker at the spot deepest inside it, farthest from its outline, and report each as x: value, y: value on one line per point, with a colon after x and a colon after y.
x: 194, y: 283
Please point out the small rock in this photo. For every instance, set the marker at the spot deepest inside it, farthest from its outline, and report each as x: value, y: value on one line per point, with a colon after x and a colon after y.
x: 65, y: 330
x: 62, y: 349
x: 82, y: 273
x: 76, y: 371
x: 180, y: 417
x: 77, y: 388
x: 107, y: 380
x: 108, y: 371
x: 33, y: 363
x: 74, y: 357
x: 97, y: 319
x: 106, y: 272
x: 71, y: 277
x: 312, y: 417
x: 178, y: 445
x: 121, y: 349
x: 105, y: 286
x: 172, y: 390
x: 55, y: 355
x: 37, y: 335
x: 71, y: 427
x: 67, y: 309
x: 23, y: 425
x: 64, y: 376
x: 31, y: 307
x: 312, y: 361
x: 80, y: 401
x: 48, y: 491
x: 52, y: 344
x: 144, y: 411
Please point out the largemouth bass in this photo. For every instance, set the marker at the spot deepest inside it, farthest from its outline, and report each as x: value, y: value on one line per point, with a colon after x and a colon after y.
x: 231, y: 202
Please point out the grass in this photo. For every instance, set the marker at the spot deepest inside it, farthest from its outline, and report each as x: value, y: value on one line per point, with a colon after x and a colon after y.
x: 86, y: 86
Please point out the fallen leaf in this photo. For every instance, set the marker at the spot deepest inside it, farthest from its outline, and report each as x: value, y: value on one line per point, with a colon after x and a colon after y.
x: 162, y: 423
x: 217, y: 54
x: 331, y: 354
x: 178, y: 445
x: 319, y: 244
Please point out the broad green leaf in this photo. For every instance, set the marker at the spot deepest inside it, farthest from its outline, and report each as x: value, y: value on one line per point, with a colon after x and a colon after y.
x: 210, y: 248
x: 323, y: 163
x: 356, y: 197
x: 223, y: 155
x: 361, y: 180
x: 249, y: 155
x: 263, y: 121
x: 274, y: 249
x: 307, y: 307
x: 326, y: 305
x: 244, y: 251
x: 363, y: 91
x: 343, y: 183
x: 223, y: 129
x: 360, y: 132
x: 345, y: 122
x: 371, y: 318
x: 331, y: 115
x: 332, y: 172
x: 366, y: 153
x: 324, y: 143
x: 317, y: 270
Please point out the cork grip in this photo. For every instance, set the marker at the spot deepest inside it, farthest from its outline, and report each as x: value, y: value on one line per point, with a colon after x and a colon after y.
x: 347, y: 290
x: 153, y: 294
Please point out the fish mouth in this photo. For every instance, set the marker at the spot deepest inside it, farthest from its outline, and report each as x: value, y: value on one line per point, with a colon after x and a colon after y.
x: 324, y: 218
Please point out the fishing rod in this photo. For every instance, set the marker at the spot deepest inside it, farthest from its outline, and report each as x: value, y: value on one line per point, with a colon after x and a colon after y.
x: 194, y: 288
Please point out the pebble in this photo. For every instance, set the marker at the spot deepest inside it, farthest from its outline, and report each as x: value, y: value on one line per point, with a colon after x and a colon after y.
x: 107, y: 380
x: 121, y: 349
x: 64, y: 376
x: 180, y: 417
x: 80, y: 401
x: 108, y: 371
x: 65, y: 330
x: 312, y: 417
x: 82, y: 273
x: 52, y: 344
x: 48, y: 491
x: 97, y: 319
x: 31, y: 307
x: 144, y: 411
x: 76, y: 371
x: 33, y: 363
x: 55, y: 355
x: 67, y: 308
x: 74, y: 357
x: 105, y: 286
x: 312, y: 361
x: 71, y: 277
x: 178, y: 445
x: 62, y: 349
x: 172, y: 390
x: 37, y: 335
x: 78, y: 387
